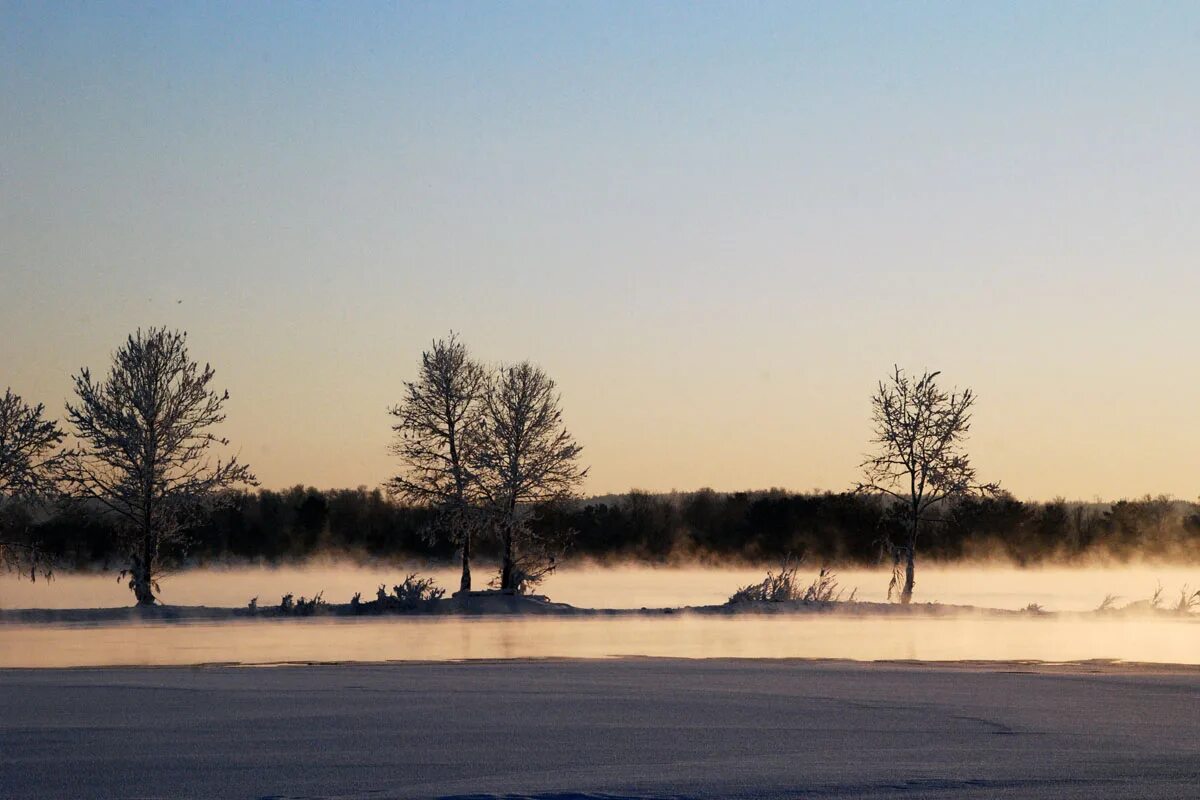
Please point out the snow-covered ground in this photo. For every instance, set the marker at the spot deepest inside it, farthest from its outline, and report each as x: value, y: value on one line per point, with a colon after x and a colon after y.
x: 643, y: 728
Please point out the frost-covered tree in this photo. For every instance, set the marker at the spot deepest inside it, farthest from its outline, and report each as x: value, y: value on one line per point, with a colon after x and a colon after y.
x: 524, y: 457
x: 145, y: 450
x: 436, y: 424
x: 921, y: 461
x: 29, y: 459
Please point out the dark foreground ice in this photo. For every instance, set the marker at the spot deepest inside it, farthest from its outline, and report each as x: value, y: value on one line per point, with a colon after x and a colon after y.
x: 630, y: 728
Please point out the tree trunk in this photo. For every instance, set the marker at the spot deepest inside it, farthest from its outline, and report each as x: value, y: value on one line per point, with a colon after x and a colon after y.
x: 464, y: 585
x: 506, y: 570
x: 140, y: 582
x: 910, y: 554
x: 143, y: 566
x: 909, y: 568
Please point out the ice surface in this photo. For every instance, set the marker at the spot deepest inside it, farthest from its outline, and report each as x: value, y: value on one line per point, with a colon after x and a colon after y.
x: 626, y: 728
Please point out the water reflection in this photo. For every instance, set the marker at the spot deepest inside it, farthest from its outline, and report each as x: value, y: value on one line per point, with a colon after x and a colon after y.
x: 683, y: 635
x: 678, y: 635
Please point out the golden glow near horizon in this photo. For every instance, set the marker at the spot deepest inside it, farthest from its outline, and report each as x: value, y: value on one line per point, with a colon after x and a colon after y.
x: 715, y: 231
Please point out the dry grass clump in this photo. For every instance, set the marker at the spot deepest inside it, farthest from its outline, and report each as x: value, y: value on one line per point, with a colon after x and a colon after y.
x: 775, y: 588
x: 414, y: 594
x: 304, y: 607
x: 825, y: 589
x: 1187, y: 601
x: 784, y: 586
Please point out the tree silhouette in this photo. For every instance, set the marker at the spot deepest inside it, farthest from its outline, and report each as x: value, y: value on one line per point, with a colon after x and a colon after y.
x: 920, y: 431
x: 145, y: 450
x: 523, y: 457
x: 29, y: 461
x: 438, y: 421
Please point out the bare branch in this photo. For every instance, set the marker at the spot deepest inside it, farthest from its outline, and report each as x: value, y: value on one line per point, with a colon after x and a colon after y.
x: 29, y: 461
x: 438, y: 422
x: 144, y: 451
x: 523, y: 457
x: 921, y: 460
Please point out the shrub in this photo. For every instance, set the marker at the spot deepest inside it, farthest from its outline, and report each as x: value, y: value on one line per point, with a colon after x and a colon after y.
x: 775, y: 588
x: 783, y: 587
x: 527, y: 574
x: 824, y: 589
x: 304, y: 607
x: 415, y: 593
x: 1187, y: 601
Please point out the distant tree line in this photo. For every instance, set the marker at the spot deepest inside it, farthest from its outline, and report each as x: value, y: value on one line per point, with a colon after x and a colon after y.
x: 488, y: 469
x: 271, y: 526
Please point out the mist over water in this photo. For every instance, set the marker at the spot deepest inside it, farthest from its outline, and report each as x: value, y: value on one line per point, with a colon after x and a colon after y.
x: 969, y: 635
x: 1055, y: 588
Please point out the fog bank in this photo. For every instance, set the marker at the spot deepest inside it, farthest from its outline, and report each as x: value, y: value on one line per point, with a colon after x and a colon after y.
x: 994, y: 585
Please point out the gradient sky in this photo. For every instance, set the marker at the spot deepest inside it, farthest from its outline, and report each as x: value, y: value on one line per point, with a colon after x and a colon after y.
x: 716, y: 225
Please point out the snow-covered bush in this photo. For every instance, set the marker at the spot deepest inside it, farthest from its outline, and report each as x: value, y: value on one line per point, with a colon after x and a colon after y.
x: 413, y: 594
x: 783, y: 587
x: 775, y: 588
x: 824, y: 588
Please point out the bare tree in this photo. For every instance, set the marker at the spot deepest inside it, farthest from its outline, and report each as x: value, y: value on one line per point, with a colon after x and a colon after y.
x: 437, y: 422
x: 524, y: 457
x: 921, y: 462
x: 29, y: 459
x: 145, y: 450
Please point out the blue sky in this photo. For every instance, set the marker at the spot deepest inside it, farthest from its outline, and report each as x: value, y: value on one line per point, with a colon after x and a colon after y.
x: 715, y: 224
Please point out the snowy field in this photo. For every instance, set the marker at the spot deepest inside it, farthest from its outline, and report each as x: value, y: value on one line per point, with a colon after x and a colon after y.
x: 639, y: 728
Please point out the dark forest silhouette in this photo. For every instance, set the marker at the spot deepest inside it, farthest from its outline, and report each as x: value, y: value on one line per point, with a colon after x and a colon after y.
x: 719, y: 528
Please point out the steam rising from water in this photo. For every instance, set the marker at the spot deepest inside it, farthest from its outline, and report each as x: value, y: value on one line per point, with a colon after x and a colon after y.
x: 1054, y: 588
x: 964, y: 636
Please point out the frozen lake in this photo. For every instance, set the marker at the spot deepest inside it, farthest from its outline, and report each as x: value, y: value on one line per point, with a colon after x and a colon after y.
x: 642, y: 729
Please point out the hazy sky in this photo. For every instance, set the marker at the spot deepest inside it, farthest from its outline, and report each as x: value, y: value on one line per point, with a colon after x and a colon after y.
x: 716, y: 225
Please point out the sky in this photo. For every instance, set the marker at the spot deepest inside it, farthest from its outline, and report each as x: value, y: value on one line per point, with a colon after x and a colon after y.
x: 716, y: 225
